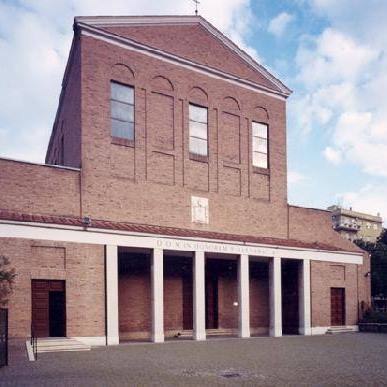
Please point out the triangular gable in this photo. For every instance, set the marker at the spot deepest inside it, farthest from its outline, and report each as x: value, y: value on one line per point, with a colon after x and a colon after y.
x: 191, y: 38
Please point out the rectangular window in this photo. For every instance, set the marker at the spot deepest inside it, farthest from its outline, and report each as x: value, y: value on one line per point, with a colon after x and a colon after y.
x: 198, y: 128
x: 122, y: 110
x: 260, y: 148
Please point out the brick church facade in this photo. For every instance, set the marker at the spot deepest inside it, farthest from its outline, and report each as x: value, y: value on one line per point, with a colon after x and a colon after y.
x: 162, y: 208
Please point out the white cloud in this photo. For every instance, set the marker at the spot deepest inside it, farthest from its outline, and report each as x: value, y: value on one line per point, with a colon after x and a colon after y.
x: 332, y: 155
x: 344, y: 80
x: 363, y: 140
x: 369, y: 199
x: 309, y: 112
x: 35, y: 38
x: 364, y: 23
x: 279, y: 24
x: 318, y: 106
x: 3, y: 135
x: 332, y: 57
x: 295, y: 177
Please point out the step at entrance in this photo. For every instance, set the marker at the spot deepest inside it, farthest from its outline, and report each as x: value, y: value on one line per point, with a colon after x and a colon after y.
x: 185, y: 334
x: 340, y: 329
x: 221, y: 332
x: 60, y: 344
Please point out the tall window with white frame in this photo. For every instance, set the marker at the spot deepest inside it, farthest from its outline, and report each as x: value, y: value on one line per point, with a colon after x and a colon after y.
x: 122, y: 110
x: 198, y: 130
x: 260, y: 145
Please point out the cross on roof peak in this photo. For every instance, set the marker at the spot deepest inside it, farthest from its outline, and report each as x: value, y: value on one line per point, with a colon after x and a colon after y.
x: 196, y: 6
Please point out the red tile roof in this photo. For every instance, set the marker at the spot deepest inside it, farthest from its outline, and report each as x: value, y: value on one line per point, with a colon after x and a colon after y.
x: 161, y: 230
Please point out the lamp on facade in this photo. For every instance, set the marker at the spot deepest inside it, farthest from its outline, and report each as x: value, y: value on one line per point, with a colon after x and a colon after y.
x: 86, y: 221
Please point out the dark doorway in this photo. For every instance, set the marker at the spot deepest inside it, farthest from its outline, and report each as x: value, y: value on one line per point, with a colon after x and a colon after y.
x: 212, y: 306
x: 188, y: 297
x: 215, y: 269
x: 3, y: 337
x: 48, y: 308
x: 56, y: 313
x: 290, y: 311
x: 134, y: 295
x: 178, y: 294
x: 337, y: 306
x: 221, y: 293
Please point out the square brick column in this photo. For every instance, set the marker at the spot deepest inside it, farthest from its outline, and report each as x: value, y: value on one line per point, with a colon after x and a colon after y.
x: 275, y: 297
x: 304, y: 298
x: 244, y: 295
x: 157, y: 279
x: 111, y: 275
x: 199, y: 308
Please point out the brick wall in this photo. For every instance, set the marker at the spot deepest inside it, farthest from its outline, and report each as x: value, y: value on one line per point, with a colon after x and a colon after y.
x: 364, y: 284
x: 31, y: 188
x: 135, y: 319
x: 65, y: 143
x: 173, y: 303
x: 153, y: 181
x: 324, y: 276
x: 194, y: 43
x: 310, y: 225
x: 227, y: 295
x: 81, y: 266
x: 135, y: 298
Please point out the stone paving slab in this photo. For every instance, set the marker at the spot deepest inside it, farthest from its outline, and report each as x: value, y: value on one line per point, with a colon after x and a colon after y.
x: 358, y: 359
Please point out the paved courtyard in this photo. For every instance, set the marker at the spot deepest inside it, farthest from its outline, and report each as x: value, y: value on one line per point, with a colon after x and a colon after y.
x: 343, y: 360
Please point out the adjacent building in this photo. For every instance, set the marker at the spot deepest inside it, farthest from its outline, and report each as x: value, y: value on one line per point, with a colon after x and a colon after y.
x: 162, y: 207
x: 354, y: 225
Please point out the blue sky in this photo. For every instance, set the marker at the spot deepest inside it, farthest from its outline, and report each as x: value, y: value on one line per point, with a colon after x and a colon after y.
x: 332, y: 53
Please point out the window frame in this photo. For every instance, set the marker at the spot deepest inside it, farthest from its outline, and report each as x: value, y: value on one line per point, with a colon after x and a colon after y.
x: 256, y: 168
x: 116, y: 139
x: 193, y: 155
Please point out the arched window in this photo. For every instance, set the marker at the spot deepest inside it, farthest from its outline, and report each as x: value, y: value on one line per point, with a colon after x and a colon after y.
x: 122, y: 110
x: 260, y: 144
x: 198, y: 130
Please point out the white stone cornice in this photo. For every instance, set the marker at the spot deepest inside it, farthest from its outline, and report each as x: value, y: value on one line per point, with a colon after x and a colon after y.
x: 9, y: 229
x: 137, y: 20
x: 8, y: 159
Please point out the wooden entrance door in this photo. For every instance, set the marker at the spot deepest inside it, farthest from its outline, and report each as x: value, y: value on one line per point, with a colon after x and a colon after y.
x: 337, y: 306
x: 48, y: 308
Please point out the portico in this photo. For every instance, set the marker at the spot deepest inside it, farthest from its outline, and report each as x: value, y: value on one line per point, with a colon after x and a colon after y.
x: 251, y: 262
x: 243, y: 260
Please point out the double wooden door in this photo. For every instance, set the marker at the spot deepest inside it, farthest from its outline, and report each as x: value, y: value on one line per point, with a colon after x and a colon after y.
x: 337, y: 306
x: 48, y: 308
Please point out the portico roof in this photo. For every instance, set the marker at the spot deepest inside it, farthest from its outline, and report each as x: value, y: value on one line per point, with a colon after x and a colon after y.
x: 15, y: 216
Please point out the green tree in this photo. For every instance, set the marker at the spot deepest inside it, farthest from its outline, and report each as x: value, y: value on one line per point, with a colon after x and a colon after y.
x: 7, y: 278
x: 378, y: 252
